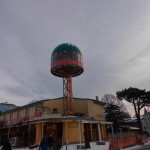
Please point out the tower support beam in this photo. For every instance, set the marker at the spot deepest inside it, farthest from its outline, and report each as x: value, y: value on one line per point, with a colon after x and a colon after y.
x: 67, y: 95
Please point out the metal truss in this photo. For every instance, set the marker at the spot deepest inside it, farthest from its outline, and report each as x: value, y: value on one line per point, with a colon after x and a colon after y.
x: 67, y: 95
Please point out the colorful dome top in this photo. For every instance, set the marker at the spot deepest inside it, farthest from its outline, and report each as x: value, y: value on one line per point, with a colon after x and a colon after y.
x: 66, y: 47
x: 66, y: 59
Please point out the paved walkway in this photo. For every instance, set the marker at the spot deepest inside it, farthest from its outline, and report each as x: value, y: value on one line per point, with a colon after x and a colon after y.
x: 143, y: 147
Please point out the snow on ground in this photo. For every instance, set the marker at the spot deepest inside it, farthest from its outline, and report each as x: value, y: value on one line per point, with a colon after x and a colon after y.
x: 93, y: 145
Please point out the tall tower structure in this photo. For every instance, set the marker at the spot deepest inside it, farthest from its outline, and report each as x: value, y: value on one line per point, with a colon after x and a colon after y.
x: 67, y: 62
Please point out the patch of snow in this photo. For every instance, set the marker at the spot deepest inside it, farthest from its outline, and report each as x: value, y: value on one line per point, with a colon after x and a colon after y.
x: 93, y: 146
x: 135, y: 128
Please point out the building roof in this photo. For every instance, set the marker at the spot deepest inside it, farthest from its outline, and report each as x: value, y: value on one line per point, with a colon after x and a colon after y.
x: 133, y: 119
x: 7, y: 104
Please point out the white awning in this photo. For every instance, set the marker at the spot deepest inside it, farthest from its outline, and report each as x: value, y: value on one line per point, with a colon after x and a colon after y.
x: 95, y: 121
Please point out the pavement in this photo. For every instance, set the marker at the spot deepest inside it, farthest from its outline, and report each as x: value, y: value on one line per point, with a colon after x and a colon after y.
x: 146, y: 146
x: 143, y: 147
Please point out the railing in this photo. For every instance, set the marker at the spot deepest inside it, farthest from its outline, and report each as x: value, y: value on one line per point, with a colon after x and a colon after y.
x: 23, y: 119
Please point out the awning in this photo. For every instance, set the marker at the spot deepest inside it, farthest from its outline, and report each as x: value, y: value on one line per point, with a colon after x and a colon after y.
x: 96, y: 121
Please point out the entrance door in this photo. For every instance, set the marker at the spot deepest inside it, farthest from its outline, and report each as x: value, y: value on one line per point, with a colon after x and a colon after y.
x: 87, y: 132
x: 95, y: 132
x: 59, y: 134
x: 56, y: 131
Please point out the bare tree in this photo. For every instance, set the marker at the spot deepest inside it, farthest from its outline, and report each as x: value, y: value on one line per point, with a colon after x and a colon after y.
x: 113, y: 100
x: 32, y: 101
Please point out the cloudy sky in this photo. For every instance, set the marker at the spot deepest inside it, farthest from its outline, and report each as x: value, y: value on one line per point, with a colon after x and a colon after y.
x: 113, y: 36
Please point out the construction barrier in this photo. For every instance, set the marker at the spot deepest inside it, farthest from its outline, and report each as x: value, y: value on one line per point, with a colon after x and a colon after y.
x: 142, y: 139
x: 121, y: 144
x: 145, y: 140
x: 111, y: 146
x: 139, y: 140
x: 114, y: 145
x: 126, y: 141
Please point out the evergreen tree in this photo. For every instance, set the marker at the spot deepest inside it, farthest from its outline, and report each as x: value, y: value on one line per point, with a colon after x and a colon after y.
x: 113, y: 114
x: 139, y: 98
x: 115, y: 111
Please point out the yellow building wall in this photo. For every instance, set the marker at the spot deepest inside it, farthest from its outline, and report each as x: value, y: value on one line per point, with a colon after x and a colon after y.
x: 96, y: 111
x: 103, y: 131
x: 39, y: 133
x: 7, y: 116
x: 32, y: 110
x: 80, y: 106
x: 53, y: 104
x: 65, y: 131
x: 90, y: 109
x: 71, y: 132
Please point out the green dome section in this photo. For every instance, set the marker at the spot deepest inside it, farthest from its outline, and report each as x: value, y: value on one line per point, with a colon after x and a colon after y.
x: 66, y: 47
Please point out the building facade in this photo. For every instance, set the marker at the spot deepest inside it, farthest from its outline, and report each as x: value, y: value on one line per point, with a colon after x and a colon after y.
x: 31, y: 122
x: 6, y: 106
x: 146, y: 121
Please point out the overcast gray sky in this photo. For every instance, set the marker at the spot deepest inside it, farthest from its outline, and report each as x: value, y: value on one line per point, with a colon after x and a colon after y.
x: 113, y: 36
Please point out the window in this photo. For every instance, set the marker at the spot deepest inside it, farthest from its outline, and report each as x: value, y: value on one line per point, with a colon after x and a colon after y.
x: 37, y: 109
x: 27, y: 113
x: 18, y: 114
x: 55, y: 111
x: 11, y: 116
x: 4, y: 118
x: 38, y: 112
